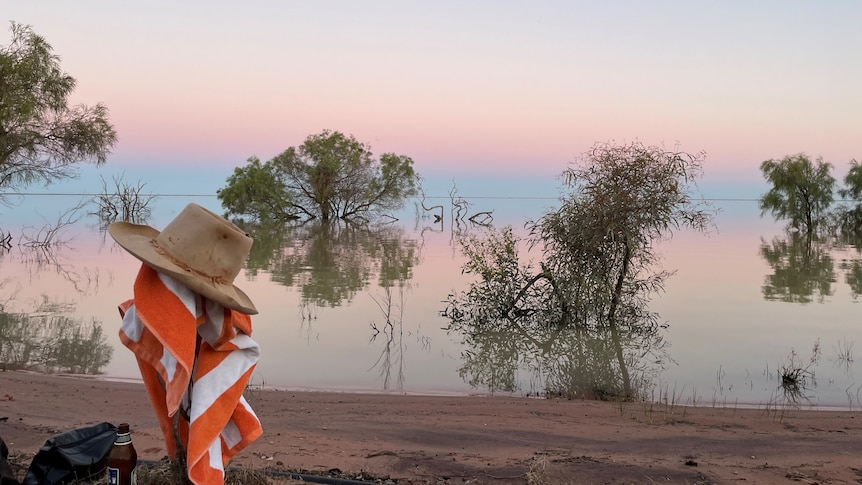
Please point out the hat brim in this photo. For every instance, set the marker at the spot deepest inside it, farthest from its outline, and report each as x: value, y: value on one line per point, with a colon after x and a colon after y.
x: 138, y: 240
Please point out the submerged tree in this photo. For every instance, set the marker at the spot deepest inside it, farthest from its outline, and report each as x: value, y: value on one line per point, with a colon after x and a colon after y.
x: 42, y: 138
x: 329, y: 176
x: 513, y: 319
x: 801, y: 190
x: 599, y: 245
x: 598, y: 251
x: 803, y: 259
x: 124, y: 201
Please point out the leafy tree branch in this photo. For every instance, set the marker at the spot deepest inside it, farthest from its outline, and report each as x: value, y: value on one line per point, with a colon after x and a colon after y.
x: 42, y: 138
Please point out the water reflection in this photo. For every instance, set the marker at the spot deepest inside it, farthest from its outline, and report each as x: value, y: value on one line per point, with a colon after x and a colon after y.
x: 47, y: 340
x: 331, y: 261
x: 851, y: 241
x: 390, y: 332
x: 721, y: 322
x: 48, y: 259
x: 802, y: 268
x: 853, y: 276
x: 576, y: 361
x: 46, y: 249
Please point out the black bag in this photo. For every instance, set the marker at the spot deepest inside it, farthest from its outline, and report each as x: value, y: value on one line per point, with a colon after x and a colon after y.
x: 7, y: 476
x: 73, y: 455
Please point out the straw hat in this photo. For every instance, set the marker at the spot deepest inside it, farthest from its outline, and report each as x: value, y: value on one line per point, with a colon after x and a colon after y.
x: 198, y: 248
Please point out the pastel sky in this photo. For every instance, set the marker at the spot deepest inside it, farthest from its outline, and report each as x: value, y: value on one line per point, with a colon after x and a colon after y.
x: 465, y: 87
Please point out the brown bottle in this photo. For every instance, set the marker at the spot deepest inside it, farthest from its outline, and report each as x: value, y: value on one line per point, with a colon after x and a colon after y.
x: 123, y: 459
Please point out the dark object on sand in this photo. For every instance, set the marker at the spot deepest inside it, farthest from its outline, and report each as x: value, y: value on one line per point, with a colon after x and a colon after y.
x: 73, y: 455
x: 7, y: 476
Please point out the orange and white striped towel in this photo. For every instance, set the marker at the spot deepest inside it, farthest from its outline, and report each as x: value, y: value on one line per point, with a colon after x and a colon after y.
x: 165, y: 325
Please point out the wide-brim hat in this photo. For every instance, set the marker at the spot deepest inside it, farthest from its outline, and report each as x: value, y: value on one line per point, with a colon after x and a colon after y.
x: 198, y: 248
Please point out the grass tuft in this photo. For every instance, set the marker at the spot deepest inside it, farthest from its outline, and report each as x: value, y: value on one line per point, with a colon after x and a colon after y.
x: 536, y: 474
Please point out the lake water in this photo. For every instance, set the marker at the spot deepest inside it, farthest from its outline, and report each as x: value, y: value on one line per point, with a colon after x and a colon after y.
x: 324, y: 297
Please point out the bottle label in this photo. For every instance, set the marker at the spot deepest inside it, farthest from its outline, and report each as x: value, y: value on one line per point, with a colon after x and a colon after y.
x: 114, y: 477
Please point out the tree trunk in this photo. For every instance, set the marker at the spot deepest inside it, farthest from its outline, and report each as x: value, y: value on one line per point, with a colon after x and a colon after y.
x: 615, y: 300
x: 564, y: 307
x: 324, y: 211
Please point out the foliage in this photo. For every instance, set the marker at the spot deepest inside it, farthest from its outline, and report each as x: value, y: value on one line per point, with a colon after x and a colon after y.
x: 329, y: 176
x: 597, y: 268
x: 42, y: 138
x: 853, y: 182
x: 257, y: 191
x: 511, y: 319
x: 495, y: 260
x: 599, y: 245
x: 801, y: 259
x: 846, y: 222
x: 801, y: 190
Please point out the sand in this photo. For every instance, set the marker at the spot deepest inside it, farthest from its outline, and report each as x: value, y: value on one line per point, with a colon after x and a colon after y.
x: 473, y: 439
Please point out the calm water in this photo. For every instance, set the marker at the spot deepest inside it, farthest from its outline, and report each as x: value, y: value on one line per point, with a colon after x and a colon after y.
x: 348, y: 310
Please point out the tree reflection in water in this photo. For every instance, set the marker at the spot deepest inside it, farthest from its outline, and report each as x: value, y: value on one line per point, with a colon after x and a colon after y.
x: 853, y: 276
x: 851, y: 241
x: 803, y: 262
x: 575, y: 361
x: 331, y: 262
x: 49, y: 341
x: 802, y: 268
x: 390, y: 330
x: 44, y: 337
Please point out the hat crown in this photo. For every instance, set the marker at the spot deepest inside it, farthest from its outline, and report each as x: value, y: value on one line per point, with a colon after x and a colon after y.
x: 205, y: 243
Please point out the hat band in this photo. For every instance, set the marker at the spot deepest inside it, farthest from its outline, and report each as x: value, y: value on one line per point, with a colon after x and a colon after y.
x: 215, y: 280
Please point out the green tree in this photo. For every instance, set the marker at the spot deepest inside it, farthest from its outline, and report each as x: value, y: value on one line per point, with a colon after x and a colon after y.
x: 801, y: 190
x: 329, y: 176
x: 598, y: 266
x: 256, y: 191
x: 620, y: 201
x: 42, y: 138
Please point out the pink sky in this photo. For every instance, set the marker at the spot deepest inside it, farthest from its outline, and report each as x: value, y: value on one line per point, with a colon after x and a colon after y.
x: 494, y: 86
